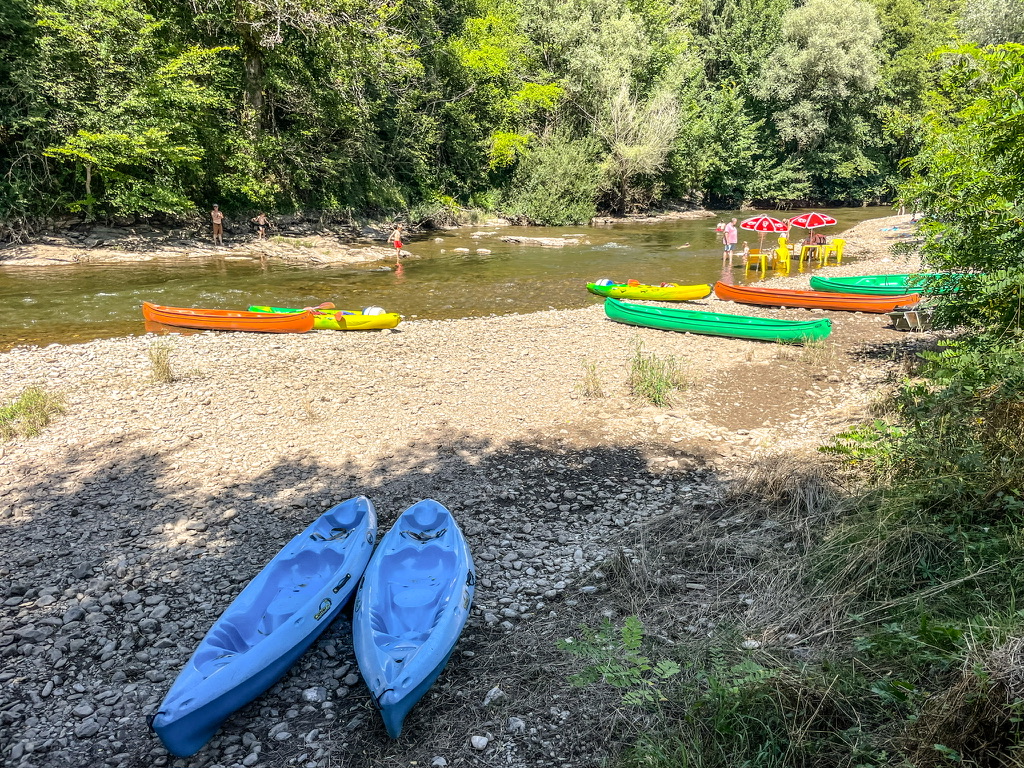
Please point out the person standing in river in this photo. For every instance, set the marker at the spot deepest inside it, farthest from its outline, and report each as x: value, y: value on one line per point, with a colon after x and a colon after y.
x: 729, y: 237
x: 218, y: 224
x: 396, y: 240
x: 261, y: 222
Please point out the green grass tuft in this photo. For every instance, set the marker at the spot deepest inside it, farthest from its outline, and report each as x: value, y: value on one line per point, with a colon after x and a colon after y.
x: 29, y: 413
x: 655, y: 379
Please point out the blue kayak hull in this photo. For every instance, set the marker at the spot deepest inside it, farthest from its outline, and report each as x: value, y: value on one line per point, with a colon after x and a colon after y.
x: 393, y: 713
x: 411, y: 607
x: 272, y: 622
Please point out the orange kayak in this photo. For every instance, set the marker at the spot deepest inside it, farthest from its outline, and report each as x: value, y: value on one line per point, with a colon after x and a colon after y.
x: 782, y: 297
x: 228, y: 320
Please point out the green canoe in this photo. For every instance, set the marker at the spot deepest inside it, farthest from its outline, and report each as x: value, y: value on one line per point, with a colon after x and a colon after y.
x: 872, y: 285
x: 717, y: 323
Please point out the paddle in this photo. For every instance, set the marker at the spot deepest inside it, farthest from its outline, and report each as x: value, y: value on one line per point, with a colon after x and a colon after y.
x: 325, y: 305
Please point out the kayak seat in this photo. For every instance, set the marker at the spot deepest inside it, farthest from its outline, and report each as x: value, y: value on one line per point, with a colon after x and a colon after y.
x: 285, y: 588
x: 413, y: 596
x: 344, y: 518
x: 428, y: 517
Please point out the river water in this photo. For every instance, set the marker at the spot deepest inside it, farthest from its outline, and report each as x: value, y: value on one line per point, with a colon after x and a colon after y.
x: 76, y: 303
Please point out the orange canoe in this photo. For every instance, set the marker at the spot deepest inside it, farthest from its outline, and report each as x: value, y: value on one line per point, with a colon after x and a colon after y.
x: 228, y: 320
x: 781, y: 297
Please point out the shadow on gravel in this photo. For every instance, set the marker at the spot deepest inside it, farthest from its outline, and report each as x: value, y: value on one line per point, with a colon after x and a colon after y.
x: 910, y: 345
x: 116, y: 568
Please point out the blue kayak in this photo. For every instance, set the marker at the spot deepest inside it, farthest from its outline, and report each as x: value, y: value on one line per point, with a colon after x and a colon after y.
x: 411, y: 607
x: 269, y: 625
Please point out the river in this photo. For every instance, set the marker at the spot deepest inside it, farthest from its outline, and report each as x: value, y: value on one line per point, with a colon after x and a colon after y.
x: 76, y: 303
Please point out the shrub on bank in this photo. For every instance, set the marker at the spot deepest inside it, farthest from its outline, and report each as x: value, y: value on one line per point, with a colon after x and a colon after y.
x: 892, y: 633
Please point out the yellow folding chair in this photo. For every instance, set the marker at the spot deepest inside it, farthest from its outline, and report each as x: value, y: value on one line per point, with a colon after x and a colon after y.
x: 755, y: 258
x: 835, y: 248
x: 809, y: 252
x: 783, y: 260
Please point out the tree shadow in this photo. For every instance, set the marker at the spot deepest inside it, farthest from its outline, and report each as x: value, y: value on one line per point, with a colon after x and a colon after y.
x: 120, y: 558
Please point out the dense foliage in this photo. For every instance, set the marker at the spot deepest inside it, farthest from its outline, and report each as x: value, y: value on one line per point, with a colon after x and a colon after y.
x: 109, y: 107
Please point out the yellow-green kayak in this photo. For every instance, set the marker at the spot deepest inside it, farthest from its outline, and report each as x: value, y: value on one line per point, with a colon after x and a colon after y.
x: 634, y: 290
x: 342, y: 319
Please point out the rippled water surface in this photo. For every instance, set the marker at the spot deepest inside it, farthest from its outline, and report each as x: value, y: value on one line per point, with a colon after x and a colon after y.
x: 82, y: 302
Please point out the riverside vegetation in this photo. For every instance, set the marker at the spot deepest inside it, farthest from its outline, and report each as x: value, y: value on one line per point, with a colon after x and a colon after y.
x: 894, y: 634
x: 545, y: 111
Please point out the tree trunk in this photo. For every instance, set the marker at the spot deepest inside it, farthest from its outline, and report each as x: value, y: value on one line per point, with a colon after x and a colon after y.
x: 246, y: 15
x: 252, y: 96
x: 88, y: 191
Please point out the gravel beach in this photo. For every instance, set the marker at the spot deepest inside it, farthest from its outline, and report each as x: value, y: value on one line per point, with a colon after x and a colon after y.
x: 132, y: 521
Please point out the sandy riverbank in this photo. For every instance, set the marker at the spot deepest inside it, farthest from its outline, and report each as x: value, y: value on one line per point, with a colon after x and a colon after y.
x: 129, y: 523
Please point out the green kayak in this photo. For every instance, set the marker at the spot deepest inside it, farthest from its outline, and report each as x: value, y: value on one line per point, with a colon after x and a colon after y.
x: 717, y: 323
x: 872, y: 285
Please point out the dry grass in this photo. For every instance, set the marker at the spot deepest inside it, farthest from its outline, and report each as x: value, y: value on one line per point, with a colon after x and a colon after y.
x: 161, y: 370
x: 978, y: 717
x: 590, y: 386
x: 820, y: 354
x: 309, y: 411
x: 739, y: 556
x: 815, y: 354
x: 798, y: 489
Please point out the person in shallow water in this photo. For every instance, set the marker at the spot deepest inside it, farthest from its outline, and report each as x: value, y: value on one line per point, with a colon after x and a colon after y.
x: 729, y: 237
x: 396, y: 240
x: 218, y: 224
x: 261, y: 222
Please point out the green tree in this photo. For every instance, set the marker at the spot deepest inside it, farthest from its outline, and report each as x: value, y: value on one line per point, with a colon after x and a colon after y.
x: 912, y: 30
x: 24, y: 178
x: 969, y: 180
x: 638, y: 138
x: 991, y: 22
x: 819, y: 85
x: 132, y: 112
x: 557, y: 182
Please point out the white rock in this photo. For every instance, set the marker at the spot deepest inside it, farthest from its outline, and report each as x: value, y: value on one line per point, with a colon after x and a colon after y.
x: 479, y: 742
x: 316, y: 695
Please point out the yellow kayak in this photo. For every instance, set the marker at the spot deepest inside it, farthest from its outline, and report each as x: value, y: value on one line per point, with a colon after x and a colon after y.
x: 634, y: 290
x: 343, y: 319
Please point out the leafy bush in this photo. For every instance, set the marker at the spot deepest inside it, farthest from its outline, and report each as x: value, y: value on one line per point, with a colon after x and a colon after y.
x: 948, y: 472
x: 615, y: 658
x: 556, y: 183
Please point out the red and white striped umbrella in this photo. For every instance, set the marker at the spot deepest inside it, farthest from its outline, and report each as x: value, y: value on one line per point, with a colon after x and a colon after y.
x: 763, y: 224
x: 812, y: 220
